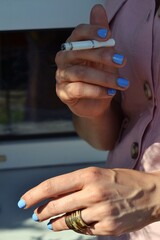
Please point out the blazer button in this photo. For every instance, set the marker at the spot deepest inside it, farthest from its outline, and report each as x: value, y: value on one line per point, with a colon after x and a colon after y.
x: 147, y: 91
x: 134, y: 150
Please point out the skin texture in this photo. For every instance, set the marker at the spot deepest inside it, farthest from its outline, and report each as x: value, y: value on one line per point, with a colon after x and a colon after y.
x: 113, y: 201
x: 83, y: 78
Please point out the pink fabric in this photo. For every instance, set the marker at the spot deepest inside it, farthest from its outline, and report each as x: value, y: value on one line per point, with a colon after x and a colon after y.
x: 136, y: 30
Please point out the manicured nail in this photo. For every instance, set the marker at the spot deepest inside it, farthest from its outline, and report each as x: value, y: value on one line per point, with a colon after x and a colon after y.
x: 49, y: 225
x: 102, y: 33
x: 35, y: 218
x: 122, y: 82
x: 111, y: 91
x: 118, y: 58
x: 21, y: 203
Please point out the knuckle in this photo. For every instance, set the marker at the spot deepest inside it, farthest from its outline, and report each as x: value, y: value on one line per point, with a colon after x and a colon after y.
x: 97, y: 195
x: 74, y: 91
x: 51, y: 207
x: 80, y: 27
x: 99, y: 93
x: 80, y: 73
x: 77, y: 30
x: 92, y: 174
x: 105, y: 55
x: 70, y: 93
x: 84, y: 31
x: 46, y: 187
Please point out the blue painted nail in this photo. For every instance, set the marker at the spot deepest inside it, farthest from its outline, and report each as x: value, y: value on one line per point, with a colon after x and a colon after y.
x: 111, y: 91
x: 21, y: 203
x: 102, y: 33
x: 49, y: 225
x: 35, y: 218
x: 122, y: 82
x: 118, y: 58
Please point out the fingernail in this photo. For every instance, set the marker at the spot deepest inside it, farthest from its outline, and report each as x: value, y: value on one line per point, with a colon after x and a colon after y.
x: 49, y: 225
x: 118, y: 58
x: 21, y: 203
x: 122, y: 82
x: 111, y: 91
x: 35, y: 218
x: 102, y: 33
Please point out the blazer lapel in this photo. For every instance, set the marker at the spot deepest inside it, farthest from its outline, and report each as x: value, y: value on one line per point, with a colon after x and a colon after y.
x: 112, y: 7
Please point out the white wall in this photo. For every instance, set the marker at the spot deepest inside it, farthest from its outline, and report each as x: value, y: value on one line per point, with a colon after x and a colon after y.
x: 35, y: 14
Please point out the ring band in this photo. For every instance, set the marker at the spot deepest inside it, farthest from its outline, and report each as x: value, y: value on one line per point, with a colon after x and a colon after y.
x: 75, y: 222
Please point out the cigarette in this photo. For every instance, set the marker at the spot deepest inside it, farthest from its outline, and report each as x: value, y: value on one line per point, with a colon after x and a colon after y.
x: 81, y: 45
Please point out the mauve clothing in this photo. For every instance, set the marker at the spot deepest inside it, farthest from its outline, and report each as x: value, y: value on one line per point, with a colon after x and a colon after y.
x: 136, y: 29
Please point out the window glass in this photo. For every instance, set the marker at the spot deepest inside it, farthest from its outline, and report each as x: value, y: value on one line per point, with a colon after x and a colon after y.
x: 28, y: 102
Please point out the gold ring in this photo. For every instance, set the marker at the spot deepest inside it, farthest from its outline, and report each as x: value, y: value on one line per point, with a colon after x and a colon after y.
x: 75, y: 222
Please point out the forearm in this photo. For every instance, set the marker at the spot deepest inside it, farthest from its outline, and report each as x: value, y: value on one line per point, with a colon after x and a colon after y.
x: 101, y: 132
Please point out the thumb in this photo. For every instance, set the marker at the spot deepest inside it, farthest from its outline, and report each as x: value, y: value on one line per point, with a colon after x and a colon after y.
x: 98, y: 16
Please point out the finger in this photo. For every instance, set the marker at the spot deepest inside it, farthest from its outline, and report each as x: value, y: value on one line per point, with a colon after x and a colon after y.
x: 59, y: 223
x: 98, y: 28
x: 53, y: 187
x: 61, y: 205
x: 87, y: 31
x: 73, y: 92
x: 98, y: 23
x: 82, y: 199
x: 87, y: 75
x: 99, y: 223
x: 106, y: 56
x: 98, y: 16
x: 91, y: 217
x: 91, y: 75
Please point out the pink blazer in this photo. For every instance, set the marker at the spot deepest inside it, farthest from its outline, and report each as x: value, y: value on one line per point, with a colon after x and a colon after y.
x: 136, y: 30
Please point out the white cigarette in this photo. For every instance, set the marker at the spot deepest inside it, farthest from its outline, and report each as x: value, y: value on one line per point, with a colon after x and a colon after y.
x: 80, y: 45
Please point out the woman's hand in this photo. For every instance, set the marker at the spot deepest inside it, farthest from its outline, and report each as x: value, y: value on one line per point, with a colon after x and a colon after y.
x: 112, y: 201
x: 87, y: 80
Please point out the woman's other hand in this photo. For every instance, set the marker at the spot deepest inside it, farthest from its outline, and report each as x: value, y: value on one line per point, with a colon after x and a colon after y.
x: 112, y: 202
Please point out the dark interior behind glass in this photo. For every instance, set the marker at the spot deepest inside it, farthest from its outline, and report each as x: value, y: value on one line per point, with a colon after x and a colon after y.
x: 29, y: 106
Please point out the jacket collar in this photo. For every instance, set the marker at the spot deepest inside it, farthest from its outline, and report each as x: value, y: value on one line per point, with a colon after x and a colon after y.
x: 112, y: 7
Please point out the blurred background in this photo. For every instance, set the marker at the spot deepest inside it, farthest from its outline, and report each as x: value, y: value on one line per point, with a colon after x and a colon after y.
x: 37, y: 138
